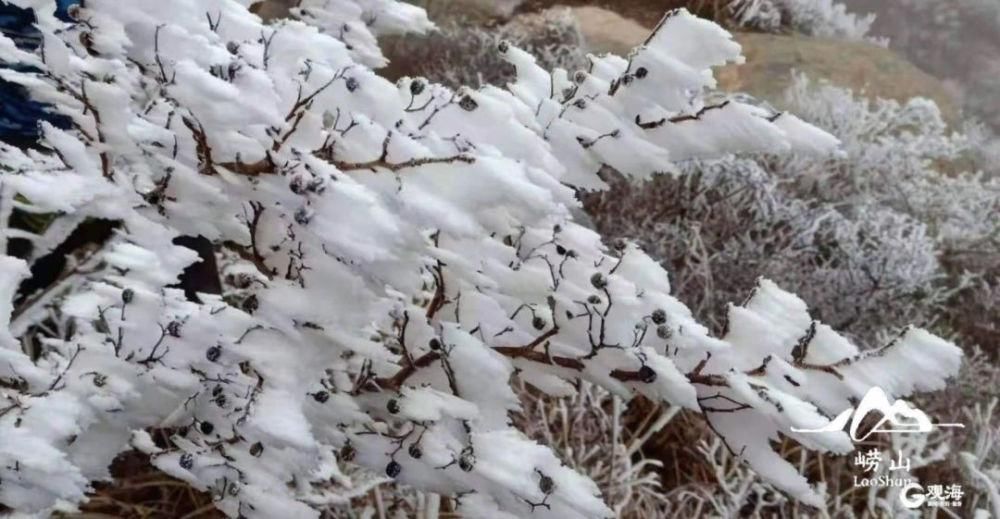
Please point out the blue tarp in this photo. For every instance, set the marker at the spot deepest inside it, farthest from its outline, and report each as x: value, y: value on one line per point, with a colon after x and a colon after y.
x: 19, y: 115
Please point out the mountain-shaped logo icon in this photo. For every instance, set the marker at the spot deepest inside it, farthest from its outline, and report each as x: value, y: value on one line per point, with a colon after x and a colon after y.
x: 897, y: 417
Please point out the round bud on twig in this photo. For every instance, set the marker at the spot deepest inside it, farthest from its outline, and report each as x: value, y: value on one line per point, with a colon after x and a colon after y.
x: 466, y: 462
x: 468, y: 104
x: 664, y: 332
x: 415, y: 451
x: 417, y: 87
x: 538, y: 323
x: 174, y: 328
x: 599, y: 281
x: 546, y: 484
x: 347, y: 452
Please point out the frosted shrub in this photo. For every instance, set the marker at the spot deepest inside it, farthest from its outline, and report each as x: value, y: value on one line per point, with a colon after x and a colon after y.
x: 393, y: 256
x: 903, y: 157
x: 459, y: 52
x: 724, y: 222
x: 887, y: 226
x: 982, y: 462
x: 822, y: 18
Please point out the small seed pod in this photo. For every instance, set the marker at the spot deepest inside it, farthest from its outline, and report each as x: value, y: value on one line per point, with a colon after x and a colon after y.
x: 415, y: 451
x: 647, y: 375
x: 468, y: 104
x: 560, y: 250
x: 217, y: 390
x: 538, y: 323
x: 466, y: 461
x: 580, y: 103
x: 352, y: 84
x: 393, y: 469
x: 641, y: 72
x: 594, y: 299
x: 503, y: 46
x: 321, y: 396
x: 599, y: 281
x: 303, y: 216
x: 347, y: 452
x: 100, y: 380
x: 417, y: 87
x: 316, y: 185
x: 174, y: 328
x: 392, y: 406
x: 232, y: 47
x: 546, y: 484
x: 251, y: 304
x: 659, y: 316
x: 257, y: 449
x: 664, y: 332
x: 241, y: 280
x: 206, y: 427
x: 619, y: 245
x: 434, y: 344
x: 213, y: 353
x: 128, y: 295
x: 579, y: 76
x: 186, y: 461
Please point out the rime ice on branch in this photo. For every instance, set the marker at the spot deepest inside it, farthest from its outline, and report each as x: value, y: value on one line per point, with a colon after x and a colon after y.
x: 393, y: 255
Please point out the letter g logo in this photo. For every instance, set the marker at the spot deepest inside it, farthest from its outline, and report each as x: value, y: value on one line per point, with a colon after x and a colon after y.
x: 916, y: 499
